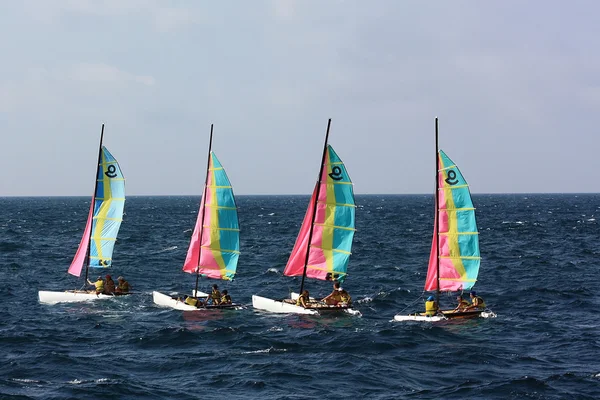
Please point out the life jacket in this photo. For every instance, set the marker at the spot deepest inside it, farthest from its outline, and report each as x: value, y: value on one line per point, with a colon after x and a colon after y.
x: 463, y: 304
x: 344, y: 297
x: 480, y: 302
x: 215, y: 295
x: 299, y: 301
x: 110, y: 286
x: 124, y: 287
x: 99, y: 285
x: 430, y: 308
x: 191, y: 301
x: 226, y: 299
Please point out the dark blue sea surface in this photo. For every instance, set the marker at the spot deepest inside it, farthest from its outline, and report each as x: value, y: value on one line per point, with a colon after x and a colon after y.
x: 539, y: 273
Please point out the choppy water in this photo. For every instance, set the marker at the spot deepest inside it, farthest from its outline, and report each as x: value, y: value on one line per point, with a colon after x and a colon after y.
x: 539, y: 274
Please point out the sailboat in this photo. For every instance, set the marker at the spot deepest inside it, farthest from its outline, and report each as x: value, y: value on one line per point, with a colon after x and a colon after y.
x: 322, y: 248
x: 454, y: 259
x: 215, y: 244
x: 104, y: 220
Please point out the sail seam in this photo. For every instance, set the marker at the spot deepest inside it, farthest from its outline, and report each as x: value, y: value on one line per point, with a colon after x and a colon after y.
x: 336, y: 227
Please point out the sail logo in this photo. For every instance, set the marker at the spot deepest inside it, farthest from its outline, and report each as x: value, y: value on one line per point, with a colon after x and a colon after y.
x: 336, y: 173
x: 451, y: 179
x: 111, y: 171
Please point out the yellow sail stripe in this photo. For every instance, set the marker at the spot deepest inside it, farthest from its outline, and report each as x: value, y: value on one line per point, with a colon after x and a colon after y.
x: 336, y: 227
x: 458, y: 279
x: 221, y: 250
x: 325, y: 269
x: 218, y: 207
x: 220, y: 229
x: 333, y: 250
x: 337, y: 204
x: 460, y: 233
x: 218, y: 187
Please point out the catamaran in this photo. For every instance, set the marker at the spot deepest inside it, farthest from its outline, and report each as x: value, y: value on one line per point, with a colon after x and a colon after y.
x: 454, y: 259
x: 215, y: 244
x: 104, y: 220
x: 322, y: 248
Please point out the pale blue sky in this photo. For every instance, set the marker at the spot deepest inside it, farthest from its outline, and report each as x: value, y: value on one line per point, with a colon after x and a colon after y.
x: 514, y: 83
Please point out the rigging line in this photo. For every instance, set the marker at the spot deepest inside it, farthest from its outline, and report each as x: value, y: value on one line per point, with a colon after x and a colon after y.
x: 411, y: 304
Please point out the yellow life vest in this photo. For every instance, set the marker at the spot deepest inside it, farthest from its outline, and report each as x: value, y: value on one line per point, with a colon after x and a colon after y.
x: 463, y: 304
x: 99, y: 285
x: 191, y: 301
x: 481, y: 303
x: 430, y: 308
x: 344, y: 297
x: 299, y: 301
x: 226, y: 299
x: 215, y: 295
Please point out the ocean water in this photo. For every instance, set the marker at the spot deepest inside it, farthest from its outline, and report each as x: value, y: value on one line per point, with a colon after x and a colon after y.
x: 539, y: 273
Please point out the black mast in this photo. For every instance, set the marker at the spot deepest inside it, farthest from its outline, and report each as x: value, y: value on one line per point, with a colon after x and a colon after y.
x: 87, y: 265
x: 203, y: 210
x: 310, y: 232
x: 437, y: 225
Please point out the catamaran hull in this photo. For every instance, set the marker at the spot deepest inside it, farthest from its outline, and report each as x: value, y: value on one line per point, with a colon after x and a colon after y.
x: 448, y: 315
x: 282, y: 307
x: 277, y: 306
x: 70, y: 296
x: 166, y: 301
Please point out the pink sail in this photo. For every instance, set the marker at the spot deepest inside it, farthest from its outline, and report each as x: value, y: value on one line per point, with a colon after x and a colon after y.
x: 79, y: 259
x: 295, y: 265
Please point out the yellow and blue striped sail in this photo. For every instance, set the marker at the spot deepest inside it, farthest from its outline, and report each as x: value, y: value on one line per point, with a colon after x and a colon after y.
x: 108, y: 210
x: 215, y: 244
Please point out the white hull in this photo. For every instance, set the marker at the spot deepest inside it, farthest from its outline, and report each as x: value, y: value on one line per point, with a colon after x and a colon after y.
x: 275, y: 306
x: 163, y: 300
x: 422, y: 318
x: 419, y: 318
x: 70, y: 296
x: 280, y: 307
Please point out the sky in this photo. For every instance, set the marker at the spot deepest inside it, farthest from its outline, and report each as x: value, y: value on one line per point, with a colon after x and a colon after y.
x: 515, y: 86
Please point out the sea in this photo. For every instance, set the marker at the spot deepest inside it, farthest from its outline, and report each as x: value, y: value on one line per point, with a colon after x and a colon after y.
x: 539, y: 274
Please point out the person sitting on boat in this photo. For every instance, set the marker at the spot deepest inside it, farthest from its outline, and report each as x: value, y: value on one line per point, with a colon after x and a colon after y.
x: 109, y: 286
x: 338, y: 296
x: 192, y: 301
x: 99, y: 284
x: 215, y: 296
x: 123, y: 287
x: 225, y: 298
x: 303, y: 300
x: 462, y: 303
x: 431, y: 307
x: 477, y: 302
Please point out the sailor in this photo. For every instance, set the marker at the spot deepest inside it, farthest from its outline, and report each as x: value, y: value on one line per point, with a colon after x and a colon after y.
x: 338, y: 296
x: 431, y: 307
x: 109, y: 287
x: 477, y: 302
x: 225, y: 298
x: 462, y: 303
x: 123, y: 285
x: 99, y: 284
x: 215, y: 296
x: 303, y: 299
x: 191, y: 301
